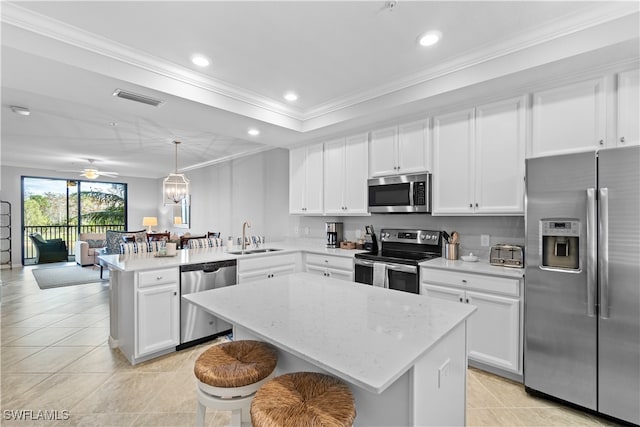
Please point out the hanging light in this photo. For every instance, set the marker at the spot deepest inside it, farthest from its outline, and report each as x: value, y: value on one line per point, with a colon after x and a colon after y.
x: 175, y: 186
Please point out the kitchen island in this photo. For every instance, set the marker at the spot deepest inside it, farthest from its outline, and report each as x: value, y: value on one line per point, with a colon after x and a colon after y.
x: 403, y: 355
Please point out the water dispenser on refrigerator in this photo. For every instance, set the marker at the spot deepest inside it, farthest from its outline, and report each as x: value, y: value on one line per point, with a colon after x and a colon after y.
x: 560, y: 244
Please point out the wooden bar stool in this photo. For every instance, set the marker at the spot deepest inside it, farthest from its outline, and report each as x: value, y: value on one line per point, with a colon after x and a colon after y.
x: 229, y: 375
x: 303, y: 399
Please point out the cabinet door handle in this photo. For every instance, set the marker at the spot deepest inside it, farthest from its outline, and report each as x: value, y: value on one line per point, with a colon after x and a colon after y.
x: 461, y: 300
x: 467, y: 300
x: 175, y: 293
x: 471, y: 205
x: 601, y: 142
x: 159, y: 278
x: 464, y: 280
x: 476, y: 205
x: 622, y: 139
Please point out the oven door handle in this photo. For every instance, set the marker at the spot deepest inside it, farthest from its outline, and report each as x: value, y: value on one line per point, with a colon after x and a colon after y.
x: 402, y: 268
x: 363, y: 262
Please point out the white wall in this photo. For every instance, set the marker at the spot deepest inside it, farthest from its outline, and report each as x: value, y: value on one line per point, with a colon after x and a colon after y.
x: 253, y: 188
x: 143, y: 196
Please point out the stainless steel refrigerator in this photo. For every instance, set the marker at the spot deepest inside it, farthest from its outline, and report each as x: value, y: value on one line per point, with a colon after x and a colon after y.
x: 582, y: 280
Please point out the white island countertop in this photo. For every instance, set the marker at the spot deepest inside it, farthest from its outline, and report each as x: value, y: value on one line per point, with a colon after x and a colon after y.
x: 367, y: 336
x: 149, y: 260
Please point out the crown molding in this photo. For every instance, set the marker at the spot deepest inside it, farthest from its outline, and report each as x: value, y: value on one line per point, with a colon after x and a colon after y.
x: 44, y: 26
x: 556, y: 30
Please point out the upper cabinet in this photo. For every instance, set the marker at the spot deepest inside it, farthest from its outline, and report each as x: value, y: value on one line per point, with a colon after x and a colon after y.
x: 305, y: 180
x: 399, y: 150
x: 628, y: 108
x: 478, y: 160
x: 569, y: 119
x: 345, y: 176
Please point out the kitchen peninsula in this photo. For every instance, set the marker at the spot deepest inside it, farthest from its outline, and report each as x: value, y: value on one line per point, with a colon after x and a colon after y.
x: 404, y: 356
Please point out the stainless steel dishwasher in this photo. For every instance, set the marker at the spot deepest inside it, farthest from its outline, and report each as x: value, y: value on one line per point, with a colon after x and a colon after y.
x: 196, y: 325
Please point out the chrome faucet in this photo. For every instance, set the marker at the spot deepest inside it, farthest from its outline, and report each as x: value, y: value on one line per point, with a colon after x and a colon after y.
x: 244, y: 234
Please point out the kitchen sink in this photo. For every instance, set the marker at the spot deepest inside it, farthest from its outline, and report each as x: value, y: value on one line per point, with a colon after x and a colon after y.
x: 253, y: 251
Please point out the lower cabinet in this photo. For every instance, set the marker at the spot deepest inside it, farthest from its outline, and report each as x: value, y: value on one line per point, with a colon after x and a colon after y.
x: 494, y: 335
x: 329, y: 266
x: 267, y: 267
x: 157, y: 311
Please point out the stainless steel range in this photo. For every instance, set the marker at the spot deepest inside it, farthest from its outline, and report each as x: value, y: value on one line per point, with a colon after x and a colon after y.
x: 395, y: 266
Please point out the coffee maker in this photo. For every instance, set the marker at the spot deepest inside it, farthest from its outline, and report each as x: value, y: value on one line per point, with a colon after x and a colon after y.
x: 371, y: 242
x: 334, y: 234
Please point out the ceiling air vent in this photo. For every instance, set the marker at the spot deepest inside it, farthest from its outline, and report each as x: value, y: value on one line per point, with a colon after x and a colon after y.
x: 137, y: 97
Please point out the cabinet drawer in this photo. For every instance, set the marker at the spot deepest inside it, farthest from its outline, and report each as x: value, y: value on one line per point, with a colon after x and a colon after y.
x: 265, y: 262
x: 157, y: 277
x: 338, y: 262
x: 495, y: 284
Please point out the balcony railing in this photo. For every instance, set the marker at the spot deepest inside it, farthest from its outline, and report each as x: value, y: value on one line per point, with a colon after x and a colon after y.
x: 68, y: 233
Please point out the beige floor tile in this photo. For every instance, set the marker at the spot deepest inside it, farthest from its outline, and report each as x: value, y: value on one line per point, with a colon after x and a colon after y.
x: 111, y: 419
x: 10, y: 334
x: 184, y: 419
x: 14, y: 385
x: 49, y: 359
x: 167, y: 363
x: 79, y: 320
x: 41, y: 320
x: 86, y: 336
x: 178, y: 394
x: 479, y: 397
x: 553, y: 417
x: 44, y: 337
x: 12, y: 355
x: 126, y: 392
x: 492, y: 417
x: 100, y: 359
x: 58, y: 392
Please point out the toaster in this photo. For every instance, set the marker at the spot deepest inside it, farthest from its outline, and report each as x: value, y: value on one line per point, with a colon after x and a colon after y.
x: 506, y: 255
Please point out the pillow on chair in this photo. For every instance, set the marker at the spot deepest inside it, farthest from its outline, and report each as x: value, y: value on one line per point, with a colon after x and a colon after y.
x: 204, y: 243
x: 114, y: 238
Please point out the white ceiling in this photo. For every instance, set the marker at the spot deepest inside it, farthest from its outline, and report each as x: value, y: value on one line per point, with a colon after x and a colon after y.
x: 354, y: 64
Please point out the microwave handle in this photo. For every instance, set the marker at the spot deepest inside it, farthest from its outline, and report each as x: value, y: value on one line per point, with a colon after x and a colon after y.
x: 411, y: 193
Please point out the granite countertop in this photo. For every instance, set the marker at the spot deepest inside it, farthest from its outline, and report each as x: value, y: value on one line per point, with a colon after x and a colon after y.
x: 478, y: 267
x: 148, y: 261
x: 365, y: 335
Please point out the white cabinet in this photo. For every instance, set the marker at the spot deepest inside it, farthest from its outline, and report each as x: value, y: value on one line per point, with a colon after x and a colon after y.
x: 569, y: 119
x: 478, y: 160
x: 305, y: 180
x: 157, y: 311
x: 267, y: 267
x: 345, y: 175
x: 495, y: 329
x: 329, y: 266
x: 628, y: 108
x: 400, y: 149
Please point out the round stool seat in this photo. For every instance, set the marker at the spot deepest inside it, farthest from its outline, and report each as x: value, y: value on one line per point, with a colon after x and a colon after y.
x: 303, y: 399
x: 236, y: 363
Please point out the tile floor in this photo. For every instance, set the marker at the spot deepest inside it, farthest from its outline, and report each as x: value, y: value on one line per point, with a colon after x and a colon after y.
x: 55, y: 357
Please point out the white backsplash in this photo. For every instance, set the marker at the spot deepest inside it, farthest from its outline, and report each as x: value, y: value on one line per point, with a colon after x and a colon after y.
x: 501, y: 229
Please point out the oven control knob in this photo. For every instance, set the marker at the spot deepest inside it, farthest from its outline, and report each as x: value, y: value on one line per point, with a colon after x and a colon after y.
x: 423, y: 236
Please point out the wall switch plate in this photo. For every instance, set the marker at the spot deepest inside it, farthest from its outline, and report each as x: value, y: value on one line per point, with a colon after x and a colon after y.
x: 484, y: 240
x: 443, y: 373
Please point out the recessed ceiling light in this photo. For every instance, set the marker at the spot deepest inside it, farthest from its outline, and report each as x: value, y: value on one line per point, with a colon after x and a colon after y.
x: 200, y: 60
x: 291, y: 96
x: 253, y: 132
x: 20, y: 110
x: 430, y: 38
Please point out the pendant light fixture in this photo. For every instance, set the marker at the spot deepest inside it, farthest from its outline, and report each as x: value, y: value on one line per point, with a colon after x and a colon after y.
x: 175, y: 187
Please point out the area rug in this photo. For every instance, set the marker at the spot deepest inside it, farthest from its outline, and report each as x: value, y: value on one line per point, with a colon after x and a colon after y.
x: 68, y: 275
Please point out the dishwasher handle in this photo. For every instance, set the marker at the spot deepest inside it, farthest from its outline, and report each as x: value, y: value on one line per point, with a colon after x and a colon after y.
x: 208, y: 267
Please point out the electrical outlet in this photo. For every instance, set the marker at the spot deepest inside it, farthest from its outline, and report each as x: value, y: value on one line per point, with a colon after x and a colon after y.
x: 306, y: 231
x: 443, y: 373
x: 484, y: 240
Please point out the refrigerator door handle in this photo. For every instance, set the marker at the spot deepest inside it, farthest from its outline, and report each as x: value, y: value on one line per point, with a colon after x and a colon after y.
x: 603, y: 267
x: 591, y: 252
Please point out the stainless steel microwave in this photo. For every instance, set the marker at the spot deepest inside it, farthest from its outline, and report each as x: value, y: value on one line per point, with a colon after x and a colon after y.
x: 400, y: 194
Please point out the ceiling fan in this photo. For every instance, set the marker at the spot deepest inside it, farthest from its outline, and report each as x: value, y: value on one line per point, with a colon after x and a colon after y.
x: 91, y: 172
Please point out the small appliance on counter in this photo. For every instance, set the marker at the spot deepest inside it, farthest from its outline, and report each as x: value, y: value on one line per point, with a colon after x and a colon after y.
x: 506, y: 255
x: 370, y: 240
x: 334, y: 234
